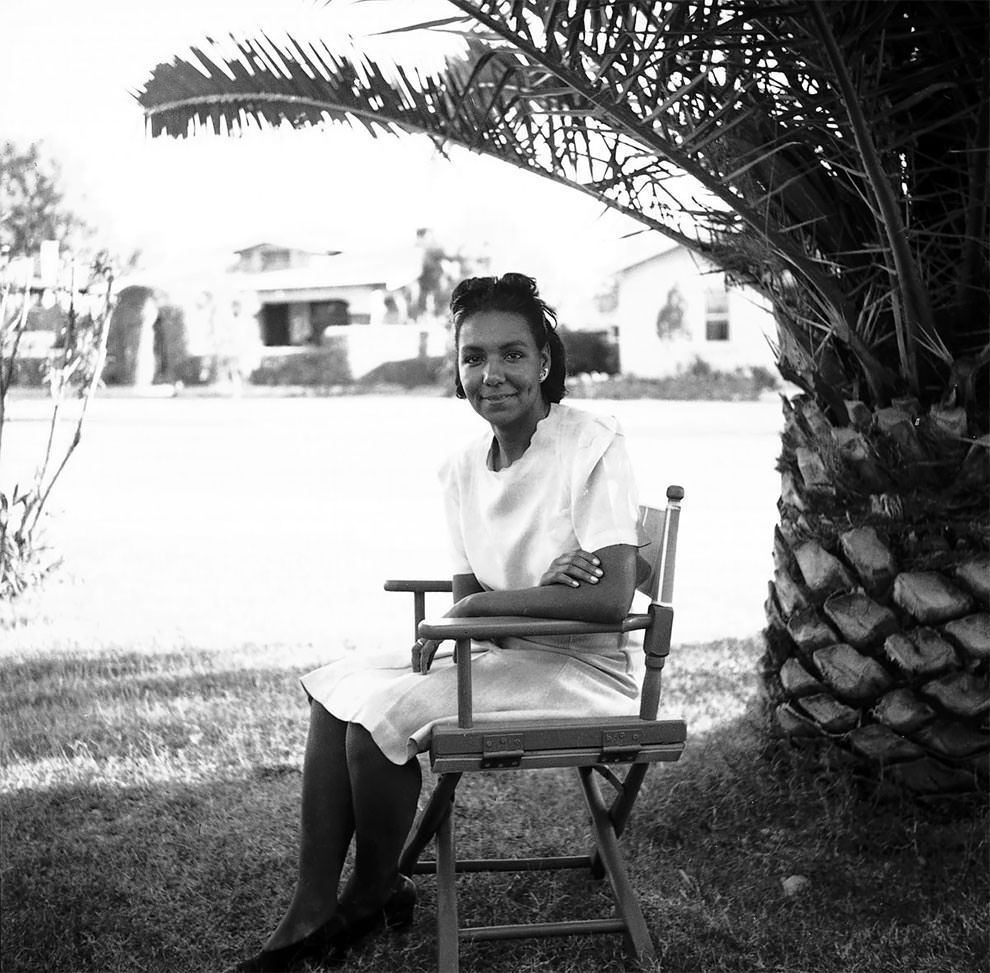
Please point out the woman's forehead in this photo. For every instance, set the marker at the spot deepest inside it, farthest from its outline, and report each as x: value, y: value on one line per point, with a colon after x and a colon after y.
x: 495, y: 328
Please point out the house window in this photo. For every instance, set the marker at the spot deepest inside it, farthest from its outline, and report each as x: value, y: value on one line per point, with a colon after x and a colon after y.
x: 716, y: 310
x: 275, y: 259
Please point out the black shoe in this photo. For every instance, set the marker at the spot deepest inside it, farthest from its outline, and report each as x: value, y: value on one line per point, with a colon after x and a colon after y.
x: 331, y: 941
x: 395, y: 915
x: 317, y: 944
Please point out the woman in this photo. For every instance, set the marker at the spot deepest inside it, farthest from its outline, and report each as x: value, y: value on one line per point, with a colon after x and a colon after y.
x: 542, y: 515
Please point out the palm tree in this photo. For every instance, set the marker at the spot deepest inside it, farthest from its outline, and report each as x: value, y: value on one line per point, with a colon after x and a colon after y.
x: 835, y: 157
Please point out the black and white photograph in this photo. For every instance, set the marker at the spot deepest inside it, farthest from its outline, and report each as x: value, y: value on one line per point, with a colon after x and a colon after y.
x: 495, y: 486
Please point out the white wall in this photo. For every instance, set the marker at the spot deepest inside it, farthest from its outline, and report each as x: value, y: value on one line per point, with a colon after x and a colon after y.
x: 370, y: 345
x: 643, y: 292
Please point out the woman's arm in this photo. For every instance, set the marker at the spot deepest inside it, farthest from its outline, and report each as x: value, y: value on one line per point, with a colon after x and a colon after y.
x: 606, y: 600
x: 464, y: 585
x: 424, y: 650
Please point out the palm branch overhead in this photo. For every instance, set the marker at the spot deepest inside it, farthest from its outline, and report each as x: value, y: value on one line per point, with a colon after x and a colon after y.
x: 686, y: 116
x: 833, y: 155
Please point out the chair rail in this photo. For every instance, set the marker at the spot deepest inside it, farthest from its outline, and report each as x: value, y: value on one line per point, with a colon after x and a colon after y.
x: 417, y: 584
x: 500, y: 626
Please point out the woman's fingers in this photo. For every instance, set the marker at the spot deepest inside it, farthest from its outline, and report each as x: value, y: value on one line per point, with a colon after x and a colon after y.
x: 423, y: 651
x: 573, y: 568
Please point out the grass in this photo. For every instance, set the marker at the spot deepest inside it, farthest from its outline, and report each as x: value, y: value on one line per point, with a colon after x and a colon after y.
x: 150, y: 803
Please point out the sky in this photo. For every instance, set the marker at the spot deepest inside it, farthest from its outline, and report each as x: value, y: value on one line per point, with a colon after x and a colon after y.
x: 67, y: 79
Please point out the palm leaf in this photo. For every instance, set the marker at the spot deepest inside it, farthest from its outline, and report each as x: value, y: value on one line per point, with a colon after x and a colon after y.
x: 816, y: 135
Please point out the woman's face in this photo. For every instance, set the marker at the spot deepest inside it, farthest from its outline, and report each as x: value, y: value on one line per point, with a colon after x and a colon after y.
x: 499, y: 366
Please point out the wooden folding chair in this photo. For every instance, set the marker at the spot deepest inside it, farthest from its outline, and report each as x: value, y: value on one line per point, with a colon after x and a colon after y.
x: 593, y: 746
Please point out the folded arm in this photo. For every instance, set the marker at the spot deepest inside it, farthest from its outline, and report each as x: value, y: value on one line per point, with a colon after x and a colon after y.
x: 606, y: 599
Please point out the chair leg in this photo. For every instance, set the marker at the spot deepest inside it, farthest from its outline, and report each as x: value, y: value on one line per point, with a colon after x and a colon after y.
x: 620, y: 809
x: 447, y: 945
x: 436, y: 810
x: 637, y: 935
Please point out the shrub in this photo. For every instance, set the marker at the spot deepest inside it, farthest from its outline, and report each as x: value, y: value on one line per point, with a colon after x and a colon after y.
x: 170, y: 342
x: 763, y: 378
x: 202, y: 369
x: 589, y: 352
x: 699, y: 382
x: 30, y: 372
x: 409, y: 373
x: 322, y: 366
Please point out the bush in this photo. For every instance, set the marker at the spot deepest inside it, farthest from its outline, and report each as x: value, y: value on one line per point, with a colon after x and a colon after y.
x: 409, y: 373
x: 699, y: 382
x: 170, y: 343
x: 763, y: 378
x: 589, y: 352
x: 322, y: 366
x: 30, y: 372
x: 197, y: 370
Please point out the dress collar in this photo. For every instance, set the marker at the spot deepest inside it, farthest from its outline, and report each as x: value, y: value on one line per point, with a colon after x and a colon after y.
x: 540, y: 433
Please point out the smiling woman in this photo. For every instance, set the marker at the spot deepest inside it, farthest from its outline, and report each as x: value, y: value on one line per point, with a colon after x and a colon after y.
x: 511, y: 362
x: 542, y: 516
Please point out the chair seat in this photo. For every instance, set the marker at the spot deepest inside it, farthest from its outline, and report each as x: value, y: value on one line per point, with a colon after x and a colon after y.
x: 556, y: 743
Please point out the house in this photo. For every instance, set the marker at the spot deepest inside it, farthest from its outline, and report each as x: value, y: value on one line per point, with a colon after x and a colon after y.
x: 311, y: 299
x: 303, y: 292
x: 673, y: 308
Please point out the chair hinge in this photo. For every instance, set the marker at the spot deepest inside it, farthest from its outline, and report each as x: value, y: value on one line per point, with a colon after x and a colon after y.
x: 620, y: 745
x: 502, y: 750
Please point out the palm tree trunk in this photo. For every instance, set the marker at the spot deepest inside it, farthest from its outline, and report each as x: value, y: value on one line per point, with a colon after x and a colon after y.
x: 878, y: 631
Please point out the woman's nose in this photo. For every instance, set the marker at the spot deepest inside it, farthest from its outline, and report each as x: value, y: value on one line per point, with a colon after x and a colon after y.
x: 493, y: 373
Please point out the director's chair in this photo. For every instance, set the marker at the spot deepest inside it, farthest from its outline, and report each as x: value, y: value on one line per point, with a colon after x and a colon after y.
x: 594, y: 746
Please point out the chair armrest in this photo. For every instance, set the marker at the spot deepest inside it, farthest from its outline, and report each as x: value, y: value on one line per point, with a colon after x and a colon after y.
x: 503, y: 625
x: 418, y: 585
x: 462, y: 630
x: 419, y: 589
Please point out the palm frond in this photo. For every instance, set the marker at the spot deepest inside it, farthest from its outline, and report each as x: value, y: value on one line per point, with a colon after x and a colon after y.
x: 837, y: 151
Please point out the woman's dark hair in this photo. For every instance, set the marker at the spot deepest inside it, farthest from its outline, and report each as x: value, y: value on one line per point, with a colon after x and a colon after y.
x: 513, y: 294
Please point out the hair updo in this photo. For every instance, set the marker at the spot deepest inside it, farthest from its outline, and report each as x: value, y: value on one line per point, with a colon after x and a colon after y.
x: 513, y: 294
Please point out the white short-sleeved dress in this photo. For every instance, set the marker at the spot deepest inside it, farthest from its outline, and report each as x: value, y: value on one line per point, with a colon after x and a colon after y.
x: 572, y: 488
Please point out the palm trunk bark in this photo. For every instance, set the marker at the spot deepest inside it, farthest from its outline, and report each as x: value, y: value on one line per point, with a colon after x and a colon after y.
x: 878, y: 617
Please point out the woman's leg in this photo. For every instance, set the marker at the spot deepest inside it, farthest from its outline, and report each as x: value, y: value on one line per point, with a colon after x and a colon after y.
x: 384, y: 798
x: 327, y: 825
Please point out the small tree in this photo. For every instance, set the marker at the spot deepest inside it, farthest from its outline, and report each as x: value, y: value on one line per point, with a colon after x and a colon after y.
x: 32, y: 219
x: 32, y: 207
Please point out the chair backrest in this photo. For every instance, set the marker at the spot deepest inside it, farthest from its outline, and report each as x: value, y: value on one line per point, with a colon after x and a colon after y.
x: 658, y: 536
x: 658, y: 542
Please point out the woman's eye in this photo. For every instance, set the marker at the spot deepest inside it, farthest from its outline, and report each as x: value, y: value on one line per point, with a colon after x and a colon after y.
x: 513, y: 356
x: 470, y: 359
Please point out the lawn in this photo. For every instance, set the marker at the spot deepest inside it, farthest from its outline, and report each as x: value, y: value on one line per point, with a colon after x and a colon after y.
x: 152, y: 724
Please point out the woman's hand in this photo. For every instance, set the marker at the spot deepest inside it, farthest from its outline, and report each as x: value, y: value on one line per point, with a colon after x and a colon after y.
x: 423, y: 651
x: 572, y: 568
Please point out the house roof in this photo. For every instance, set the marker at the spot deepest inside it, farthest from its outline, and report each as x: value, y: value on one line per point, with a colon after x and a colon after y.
x: 656, y: 253
x: 389, y: 269
x: 294, y: 247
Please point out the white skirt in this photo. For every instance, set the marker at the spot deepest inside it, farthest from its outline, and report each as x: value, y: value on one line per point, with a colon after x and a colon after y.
x: 513, y: 679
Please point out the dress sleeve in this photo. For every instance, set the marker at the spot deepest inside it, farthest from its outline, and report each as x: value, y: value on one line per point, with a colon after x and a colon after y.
x: 604, y: 505
x: 452, y: 488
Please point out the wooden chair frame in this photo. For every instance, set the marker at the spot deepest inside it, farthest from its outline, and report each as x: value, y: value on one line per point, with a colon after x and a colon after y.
x: 593, y: 746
